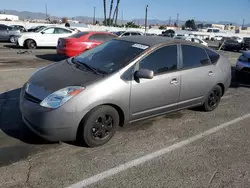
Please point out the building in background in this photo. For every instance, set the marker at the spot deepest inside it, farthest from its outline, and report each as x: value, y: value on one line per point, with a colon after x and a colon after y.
x: 8, y: 17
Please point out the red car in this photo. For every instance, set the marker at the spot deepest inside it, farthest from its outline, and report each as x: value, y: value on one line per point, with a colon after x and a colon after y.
x: 82, y: 41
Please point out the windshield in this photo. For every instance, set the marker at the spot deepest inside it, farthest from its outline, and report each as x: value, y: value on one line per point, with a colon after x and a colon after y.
x: 110, y: 56
x: 119, y: 33
x: 38, y: 29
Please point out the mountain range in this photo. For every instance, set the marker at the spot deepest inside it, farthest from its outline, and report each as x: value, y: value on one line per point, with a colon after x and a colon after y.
x: 37, y: 15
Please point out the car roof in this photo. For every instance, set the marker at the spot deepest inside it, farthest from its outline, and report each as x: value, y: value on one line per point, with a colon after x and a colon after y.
x: 147, y: 40
x: 155, y: 40
x: 98, y: 32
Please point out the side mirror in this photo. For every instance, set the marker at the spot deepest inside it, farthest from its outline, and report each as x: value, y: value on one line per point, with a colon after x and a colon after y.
x: 42, y: 32
x: 144, y: 73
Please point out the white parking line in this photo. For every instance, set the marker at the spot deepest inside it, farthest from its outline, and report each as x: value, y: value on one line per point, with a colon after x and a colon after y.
x: 151, y: 156
x: 17, y: 69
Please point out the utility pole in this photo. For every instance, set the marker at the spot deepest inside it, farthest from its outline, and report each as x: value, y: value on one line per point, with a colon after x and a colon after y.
x: 177, y: 21
x: 94, y: 17
x: 46, y: 11
x: 169, y: 21
x: 146, y: 18
x: 122, y: 17
x: 243, y: 22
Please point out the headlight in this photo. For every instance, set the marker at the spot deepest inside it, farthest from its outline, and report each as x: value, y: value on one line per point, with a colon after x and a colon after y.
x: 243, y: 58
x: 61, y: 96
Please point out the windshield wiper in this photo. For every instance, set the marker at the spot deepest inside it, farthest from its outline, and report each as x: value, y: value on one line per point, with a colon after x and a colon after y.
x: 81, y: 64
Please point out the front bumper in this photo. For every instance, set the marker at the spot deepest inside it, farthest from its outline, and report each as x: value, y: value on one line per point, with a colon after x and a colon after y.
x: 243, y: 66
x: 51, y: 125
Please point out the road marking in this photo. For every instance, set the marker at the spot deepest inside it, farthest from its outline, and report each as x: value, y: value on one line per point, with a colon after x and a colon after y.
x: 151, y: 156
x: 16, y: 69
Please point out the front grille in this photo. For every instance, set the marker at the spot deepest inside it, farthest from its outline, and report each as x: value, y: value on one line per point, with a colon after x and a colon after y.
x: 32, y: 98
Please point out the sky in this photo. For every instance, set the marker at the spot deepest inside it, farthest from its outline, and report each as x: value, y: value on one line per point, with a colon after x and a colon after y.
x: 202, y: 10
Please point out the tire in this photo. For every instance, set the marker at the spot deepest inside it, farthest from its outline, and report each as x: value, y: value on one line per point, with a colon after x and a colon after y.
x: 30, y: 44
x: 213, y: 99
x: 97, y: 123
x: 12, y: 39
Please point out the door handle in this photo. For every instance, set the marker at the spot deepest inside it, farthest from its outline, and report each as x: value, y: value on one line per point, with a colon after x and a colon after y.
x: 210, y: 73
x: 174, y: 81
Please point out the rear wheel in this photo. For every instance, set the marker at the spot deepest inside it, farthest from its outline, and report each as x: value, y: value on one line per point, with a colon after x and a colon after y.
x: 213, y: 99
x: 99, y: 126
x: 30, y: 44
x: 12, y: 39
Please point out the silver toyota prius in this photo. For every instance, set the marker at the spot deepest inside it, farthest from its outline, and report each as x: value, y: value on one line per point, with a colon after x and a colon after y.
x: 124, y: 80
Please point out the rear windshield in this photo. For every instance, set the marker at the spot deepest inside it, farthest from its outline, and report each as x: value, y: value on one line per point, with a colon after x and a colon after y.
x: 111, y: 56
x: 78, y: 35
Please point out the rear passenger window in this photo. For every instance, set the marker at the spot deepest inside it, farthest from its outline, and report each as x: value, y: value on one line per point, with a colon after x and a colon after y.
x: 213, y: 56
x: 97, y: 37
x: 194, y: 57
x: 161, y: 61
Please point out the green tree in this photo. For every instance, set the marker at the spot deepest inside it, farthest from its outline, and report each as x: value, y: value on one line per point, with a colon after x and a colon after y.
x: 162, y: 27
x: 190, y: 24
x: 131, y: 25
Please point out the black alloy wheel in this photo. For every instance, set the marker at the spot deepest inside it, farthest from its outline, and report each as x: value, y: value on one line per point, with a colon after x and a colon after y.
x: 102, y: 127
x: 213, y: 99
x: 98, y: 126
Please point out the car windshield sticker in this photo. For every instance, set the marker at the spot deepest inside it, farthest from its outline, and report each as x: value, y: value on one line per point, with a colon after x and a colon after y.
x: 143, y: 47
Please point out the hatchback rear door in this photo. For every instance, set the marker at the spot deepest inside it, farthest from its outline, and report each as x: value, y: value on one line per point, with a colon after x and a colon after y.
x: 160, y: 94
x: 197, y: 76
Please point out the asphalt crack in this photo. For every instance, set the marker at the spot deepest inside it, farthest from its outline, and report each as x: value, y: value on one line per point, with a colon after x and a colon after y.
x: 28, y: 174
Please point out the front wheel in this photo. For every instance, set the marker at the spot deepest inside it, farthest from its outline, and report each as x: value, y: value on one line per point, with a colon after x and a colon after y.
x: 213, y: 99
x: 30, y: 44
x: 99, y: 126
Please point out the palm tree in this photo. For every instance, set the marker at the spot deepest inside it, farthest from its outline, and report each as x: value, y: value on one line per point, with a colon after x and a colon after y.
x: 118, y: 2
x: 116, y: 12
x: 110, y: 11
x: 104, y: 7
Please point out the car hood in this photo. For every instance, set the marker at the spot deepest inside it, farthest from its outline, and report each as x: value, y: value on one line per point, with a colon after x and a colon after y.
x: 57, y: 76
x: 29, y: 34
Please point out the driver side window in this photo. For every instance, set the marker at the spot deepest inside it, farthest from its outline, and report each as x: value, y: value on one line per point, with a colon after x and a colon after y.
x: 49, y: 31
x: 161, y: 61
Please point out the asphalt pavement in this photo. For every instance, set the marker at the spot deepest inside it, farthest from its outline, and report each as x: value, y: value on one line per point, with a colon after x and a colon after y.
x: 189, y: 149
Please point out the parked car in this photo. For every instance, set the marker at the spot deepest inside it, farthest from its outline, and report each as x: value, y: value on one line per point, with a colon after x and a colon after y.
x: 121, y: 81
x: 243, y: 64
x: 229, y: 44
x: 168, y: 33
x: 246, y: 43
x: 35, y: 28
x: 127, y: 33
x: 180, y: 36
x: 197, y: 40
x: 19, y: 27
x: 8, y: 33
x: 237, y: 39
x: 80, y: 42
x: 45, y: 37
x: 217, y: 38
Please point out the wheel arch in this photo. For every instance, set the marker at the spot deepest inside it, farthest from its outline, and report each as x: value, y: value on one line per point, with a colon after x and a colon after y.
x: 222, y: 87
x: 24, y: 42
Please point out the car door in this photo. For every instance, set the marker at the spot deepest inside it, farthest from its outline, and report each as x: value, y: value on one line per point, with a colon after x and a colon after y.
x: 4, y: 33
x: 160, y: 94
x: 47, y: 37
x: 60, y: 33
x: 197, y: 75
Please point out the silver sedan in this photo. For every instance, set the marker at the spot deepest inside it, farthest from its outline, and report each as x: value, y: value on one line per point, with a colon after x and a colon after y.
x: 124, y: 80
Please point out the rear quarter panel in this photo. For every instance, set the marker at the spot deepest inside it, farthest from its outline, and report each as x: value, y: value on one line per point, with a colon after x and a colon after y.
x: 224, y: 70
